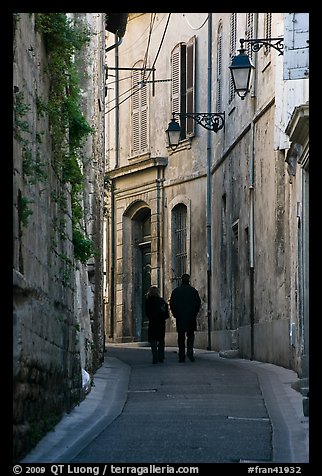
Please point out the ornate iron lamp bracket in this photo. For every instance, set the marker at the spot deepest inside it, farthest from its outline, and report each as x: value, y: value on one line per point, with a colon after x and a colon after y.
x: 258, y: 43
x: 213, y: 121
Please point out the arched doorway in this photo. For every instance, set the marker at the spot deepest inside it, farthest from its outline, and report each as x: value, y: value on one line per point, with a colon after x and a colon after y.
x: 145, y: 247
x: 136, y: 265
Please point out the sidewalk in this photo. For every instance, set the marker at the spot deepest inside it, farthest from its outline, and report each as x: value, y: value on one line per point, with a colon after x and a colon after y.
x: 108, y: 396
x: 76, y: 429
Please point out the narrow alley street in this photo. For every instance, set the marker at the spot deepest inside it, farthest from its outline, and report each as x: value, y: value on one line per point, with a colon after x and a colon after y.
x: 214, y: 410
x: 154, y: 151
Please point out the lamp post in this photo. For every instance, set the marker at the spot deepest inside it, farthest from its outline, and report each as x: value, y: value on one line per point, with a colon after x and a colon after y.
x: 241, y: 70
x: 173, y: 132
x: 241, y: 66
x: 213, y: 121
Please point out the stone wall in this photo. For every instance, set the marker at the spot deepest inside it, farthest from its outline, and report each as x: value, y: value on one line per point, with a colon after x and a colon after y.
x: 56, y: 305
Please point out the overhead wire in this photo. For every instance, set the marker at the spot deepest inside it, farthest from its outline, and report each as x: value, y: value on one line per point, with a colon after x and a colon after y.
x: 120, y: 95
x: 152, y: 19
x: 159, y: 49
x: 143, y: 84
x: 195, y: 28
x: 136, y: 43
x: 119, y: 80
x: 127, y: 77
x: 128, y: 97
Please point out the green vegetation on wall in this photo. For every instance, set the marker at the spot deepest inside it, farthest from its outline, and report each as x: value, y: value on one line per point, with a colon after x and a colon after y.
x: 69, y: 128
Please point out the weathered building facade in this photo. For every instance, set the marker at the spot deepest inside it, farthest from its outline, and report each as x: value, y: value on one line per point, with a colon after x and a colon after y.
x: 223, y: 207
x: 228, y: 207
x: 58, y: 170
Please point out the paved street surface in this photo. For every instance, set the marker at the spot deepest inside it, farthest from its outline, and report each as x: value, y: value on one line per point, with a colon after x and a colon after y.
x: 197, y: 412
x: 213, y: 410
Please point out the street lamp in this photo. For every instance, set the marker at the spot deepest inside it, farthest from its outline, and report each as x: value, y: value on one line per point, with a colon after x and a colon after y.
x: 173, y: 132
x: 241, y: 67
x: 213, y: 121
x: 241, y: 70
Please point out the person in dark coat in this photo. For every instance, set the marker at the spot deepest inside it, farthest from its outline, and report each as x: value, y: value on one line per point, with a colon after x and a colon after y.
x: 157, y: 311
x: 185, y: 303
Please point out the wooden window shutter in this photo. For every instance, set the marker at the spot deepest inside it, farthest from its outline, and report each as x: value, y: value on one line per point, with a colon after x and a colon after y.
x: 267, y: 30
x: 233, y: 41
x: 144, y: 119
x: 183, y: 89
x: 219, y: 70
x: 178, y: 83
x: 190, y: 84
x: 250, y: 33
x: 175, y: 79
x: 135, y: 113
x: 139, y: 114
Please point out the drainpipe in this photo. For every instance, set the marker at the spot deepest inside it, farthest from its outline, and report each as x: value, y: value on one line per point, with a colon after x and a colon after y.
x: 209, y: 183
x: 251, y: 240
x: 112, y: 310
x: 113, y: 268
x: 103, y: 260
x: 117, y: 107
x: 118, y: 42
x: 158, y: 184
x: 251, y: 207
x: 162, y: 228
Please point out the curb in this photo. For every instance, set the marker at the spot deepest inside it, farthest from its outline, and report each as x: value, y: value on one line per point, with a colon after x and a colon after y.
x: 87, y: 420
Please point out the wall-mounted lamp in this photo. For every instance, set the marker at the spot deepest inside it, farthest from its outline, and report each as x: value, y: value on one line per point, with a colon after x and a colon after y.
x: 213, y: 121
x: 241, y: 66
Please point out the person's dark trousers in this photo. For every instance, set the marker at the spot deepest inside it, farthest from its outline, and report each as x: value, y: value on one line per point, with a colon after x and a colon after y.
x: 190, y: 341
x: 161, y: 350
x: 182, y: 345
x: 154, y: 348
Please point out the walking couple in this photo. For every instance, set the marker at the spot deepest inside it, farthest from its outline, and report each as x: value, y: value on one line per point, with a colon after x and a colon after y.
x: 184, y: 303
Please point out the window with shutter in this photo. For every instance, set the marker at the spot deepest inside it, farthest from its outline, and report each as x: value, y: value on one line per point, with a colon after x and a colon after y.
x: 233, y: 41
x: 177, y: 84
x: 249, y: 33
x: 190, y: 84
x: 144, y: 119
x: 219, y: 70
x: 183, y: 91
x: 135, y: 113
x: 183, y: 84
x: 267, y: 30
x: 139, y: 112
x: 175, y: 79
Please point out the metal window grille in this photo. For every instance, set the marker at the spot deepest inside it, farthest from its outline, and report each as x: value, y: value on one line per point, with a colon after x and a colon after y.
x: 180, y: 241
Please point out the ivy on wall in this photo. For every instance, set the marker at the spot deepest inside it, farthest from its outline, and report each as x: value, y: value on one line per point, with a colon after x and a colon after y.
x: 68, y: 126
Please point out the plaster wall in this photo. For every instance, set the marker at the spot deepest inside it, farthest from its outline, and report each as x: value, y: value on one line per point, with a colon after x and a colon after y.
x: 252, y: 203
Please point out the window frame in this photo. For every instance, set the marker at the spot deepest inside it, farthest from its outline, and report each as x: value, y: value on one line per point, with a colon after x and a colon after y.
x: 183, y: 84
x: 179, y: 220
